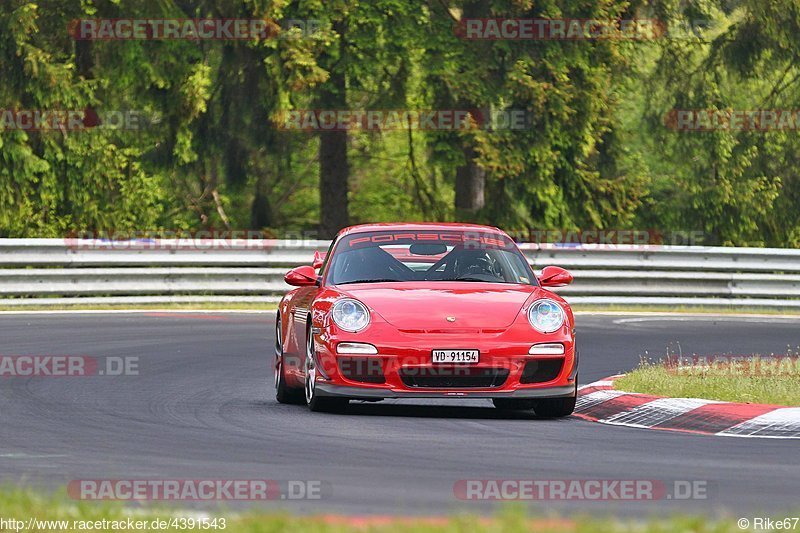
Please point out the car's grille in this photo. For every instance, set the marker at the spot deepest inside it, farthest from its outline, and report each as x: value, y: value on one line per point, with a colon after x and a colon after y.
x: 541, y: 370
x: 454, y: 377
x: 363, y: 369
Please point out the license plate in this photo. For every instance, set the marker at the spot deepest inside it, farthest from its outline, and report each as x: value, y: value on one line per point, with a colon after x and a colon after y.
x: 456, y: 356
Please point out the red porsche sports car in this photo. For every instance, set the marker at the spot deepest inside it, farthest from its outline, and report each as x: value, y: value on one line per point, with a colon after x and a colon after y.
x: 426, y: 311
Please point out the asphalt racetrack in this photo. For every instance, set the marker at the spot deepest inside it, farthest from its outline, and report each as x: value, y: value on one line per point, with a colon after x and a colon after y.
x: 202, y: 407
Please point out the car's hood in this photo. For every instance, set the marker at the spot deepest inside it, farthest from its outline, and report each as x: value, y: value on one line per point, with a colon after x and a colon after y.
x: 420, y: 306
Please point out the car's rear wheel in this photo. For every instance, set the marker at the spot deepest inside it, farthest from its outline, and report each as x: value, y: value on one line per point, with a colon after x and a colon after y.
x: 283, y: 393
x: 314, y: 401
x: 509, y: 404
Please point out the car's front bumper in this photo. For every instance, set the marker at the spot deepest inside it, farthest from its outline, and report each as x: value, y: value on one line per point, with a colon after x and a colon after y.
x: 344, y: 391
x: 402, y: 366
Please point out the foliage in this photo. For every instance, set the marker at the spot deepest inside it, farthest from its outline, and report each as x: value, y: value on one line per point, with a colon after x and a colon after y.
x: 761, y: 380
x: 598, y: 150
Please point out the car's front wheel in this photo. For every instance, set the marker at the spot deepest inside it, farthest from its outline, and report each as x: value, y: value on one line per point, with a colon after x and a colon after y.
x: 314, y: 401
x: 509, y: 404
x: 556, y: 407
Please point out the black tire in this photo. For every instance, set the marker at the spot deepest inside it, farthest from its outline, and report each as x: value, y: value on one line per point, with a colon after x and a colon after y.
x: 511, y: 404
x: 315, y: 402
x: 283, y: 393
x: 286, y: 395
x: 556, y: 407
x: 328, y: 405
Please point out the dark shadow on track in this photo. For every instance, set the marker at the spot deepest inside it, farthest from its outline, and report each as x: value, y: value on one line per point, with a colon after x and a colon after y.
x: 438, y: 411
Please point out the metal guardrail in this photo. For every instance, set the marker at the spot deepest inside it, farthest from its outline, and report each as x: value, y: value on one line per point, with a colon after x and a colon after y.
x: 66, y: 271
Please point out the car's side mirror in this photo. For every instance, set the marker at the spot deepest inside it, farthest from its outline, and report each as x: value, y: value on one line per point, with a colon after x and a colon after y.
x: 302, y: 276
x: 553, y: 276
x: 319, y: 259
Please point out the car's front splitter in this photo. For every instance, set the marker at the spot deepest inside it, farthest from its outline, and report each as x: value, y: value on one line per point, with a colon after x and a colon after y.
x: 328, y: 389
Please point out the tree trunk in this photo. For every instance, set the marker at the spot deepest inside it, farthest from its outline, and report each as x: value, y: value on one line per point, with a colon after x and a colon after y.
x: 334, y: 169
x: 470, y: 185
x: 471, y: 178
x: 84, y: 60
x: 261, y: 210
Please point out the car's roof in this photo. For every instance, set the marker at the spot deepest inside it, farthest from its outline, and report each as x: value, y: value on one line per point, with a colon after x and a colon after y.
x: 418, y: 226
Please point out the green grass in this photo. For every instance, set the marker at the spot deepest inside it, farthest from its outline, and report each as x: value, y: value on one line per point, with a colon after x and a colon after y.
x: 22, y: 504
x: 752, y: 381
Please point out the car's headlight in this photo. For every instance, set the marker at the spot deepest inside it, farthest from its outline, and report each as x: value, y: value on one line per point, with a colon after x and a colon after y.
x: 350, y: 315
x: 546, y: 316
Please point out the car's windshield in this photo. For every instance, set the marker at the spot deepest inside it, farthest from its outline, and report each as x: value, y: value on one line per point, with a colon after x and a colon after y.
x: 399, y: 256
